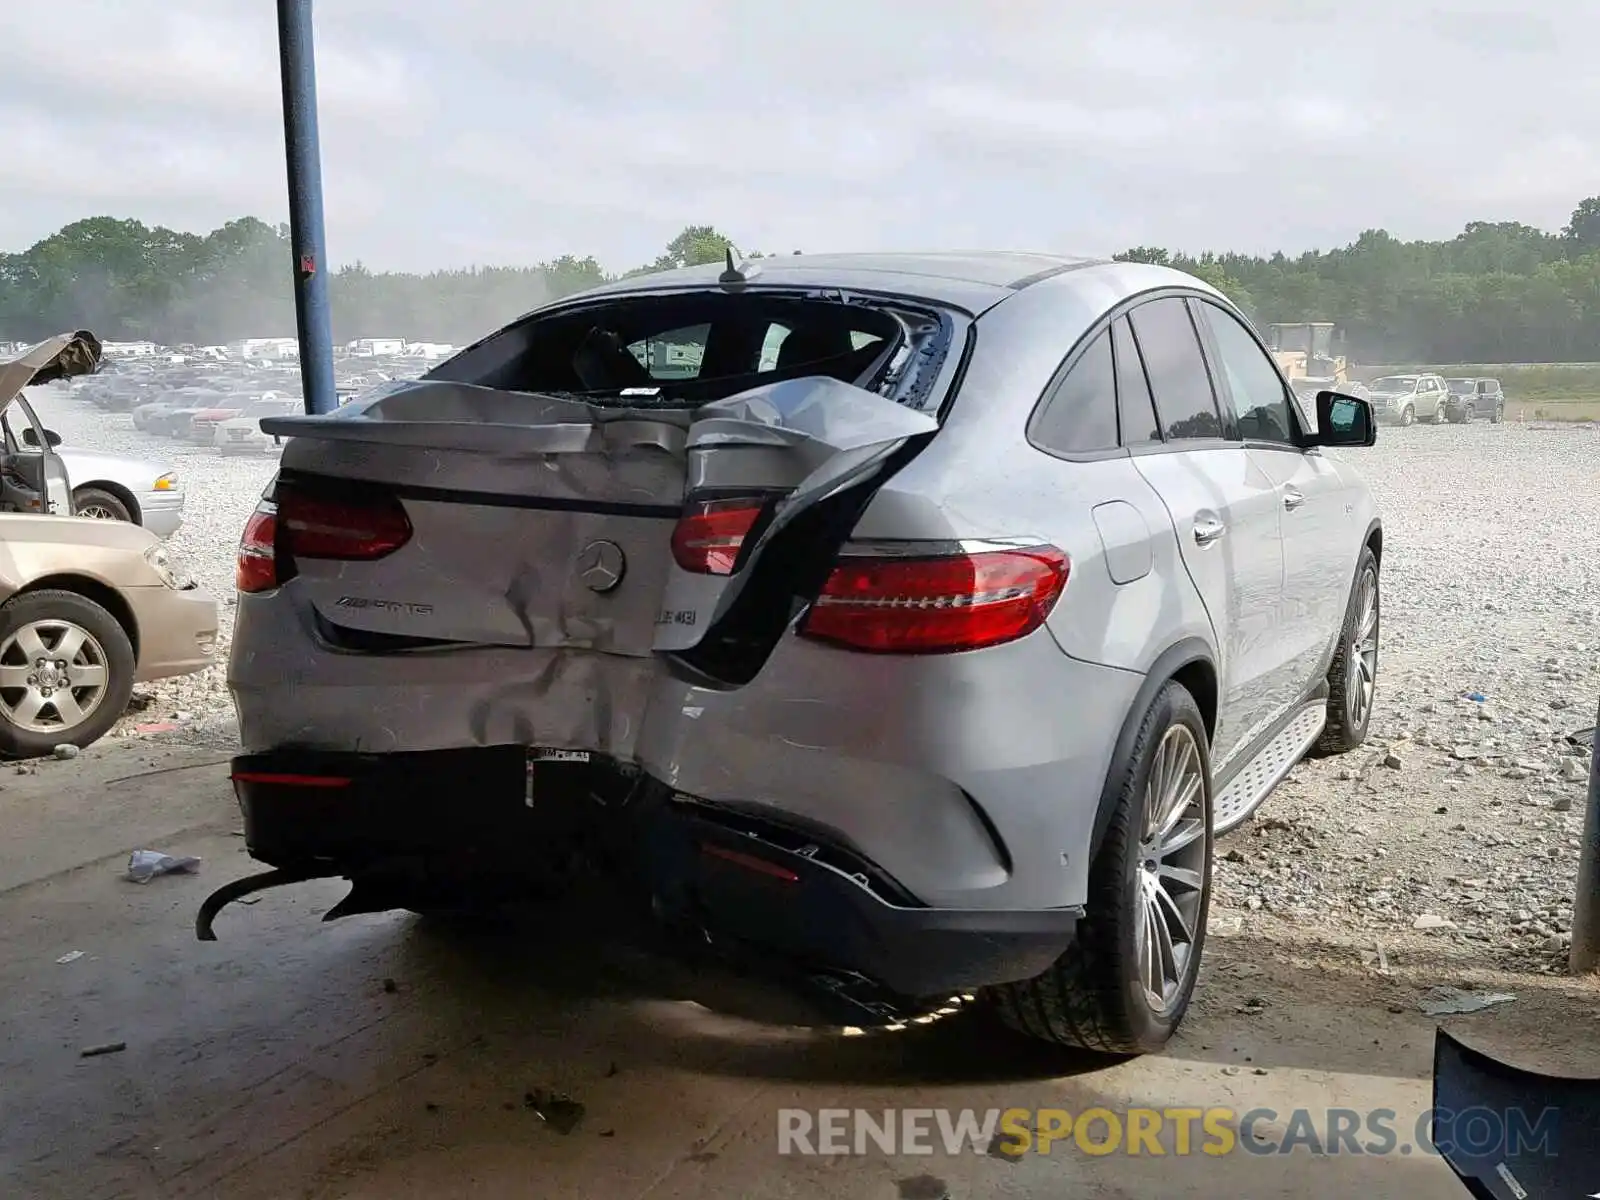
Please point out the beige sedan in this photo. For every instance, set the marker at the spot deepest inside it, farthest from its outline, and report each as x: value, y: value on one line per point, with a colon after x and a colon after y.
x: 87, y: 608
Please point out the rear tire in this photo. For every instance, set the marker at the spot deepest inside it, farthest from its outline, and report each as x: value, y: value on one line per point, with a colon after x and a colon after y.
x: 1499, y: 414
x: 1353, y: 675
x: 1438, y: 415
x: 1096, y: 996
x: 56, y: 627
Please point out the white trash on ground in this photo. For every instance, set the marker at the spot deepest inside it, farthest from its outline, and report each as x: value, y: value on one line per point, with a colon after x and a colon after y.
x: 145, y: 865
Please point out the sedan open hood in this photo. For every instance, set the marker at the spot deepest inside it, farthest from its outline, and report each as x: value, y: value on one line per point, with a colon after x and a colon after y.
x: 60, y: 357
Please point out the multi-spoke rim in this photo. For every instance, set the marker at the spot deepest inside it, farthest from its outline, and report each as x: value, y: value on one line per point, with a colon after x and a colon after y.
x: 99, y: 512
x: 1172, y: 867
x: 1364, y: 648
x: 53, y: 676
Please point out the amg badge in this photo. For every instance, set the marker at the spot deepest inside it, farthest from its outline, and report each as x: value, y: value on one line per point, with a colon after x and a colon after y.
x: 394, y: 606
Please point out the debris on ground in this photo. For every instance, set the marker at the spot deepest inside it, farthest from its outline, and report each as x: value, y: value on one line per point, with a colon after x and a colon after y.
x: 562, y: 1113
x: 145, y: 865
x: 70, y: 956
x: 1432, y: 921
x: 65, y: 750
x: 1449, y: 1001
x: 102, y: 1048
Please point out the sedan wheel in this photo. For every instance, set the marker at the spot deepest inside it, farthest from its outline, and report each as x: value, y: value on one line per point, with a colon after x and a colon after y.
x: 100, y: 505
x: 66, y: 671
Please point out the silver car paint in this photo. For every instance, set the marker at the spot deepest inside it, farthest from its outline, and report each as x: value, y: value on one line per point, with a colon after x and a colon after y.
x: 909, y: 759
x: 161, y: 512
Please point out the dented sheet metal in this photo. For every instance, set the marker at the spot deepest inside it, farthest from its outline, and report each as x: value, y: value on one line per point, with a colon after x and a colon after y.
x: 542, y: 524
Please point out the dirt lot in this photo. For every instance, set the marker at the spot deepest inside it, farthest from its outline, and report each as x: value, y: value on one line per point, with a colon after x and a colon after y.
x: 379, y: 1057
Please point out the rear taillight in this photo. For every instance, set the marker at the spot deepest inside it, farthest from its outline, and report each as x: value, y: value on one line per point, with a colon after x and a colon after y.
x: 711, y: 533
x: 305, y: 524
x: 257, y: 568
x: 937, y: 604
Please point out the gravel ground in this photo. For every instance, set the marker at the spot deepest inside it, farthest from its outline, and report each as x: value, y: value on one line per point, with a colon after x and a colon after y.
x: 1454, y: 830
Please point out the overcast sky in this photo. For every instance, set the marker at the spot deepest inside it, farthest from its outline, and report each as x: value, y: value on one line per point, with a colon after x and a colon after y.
x: 495, y: 131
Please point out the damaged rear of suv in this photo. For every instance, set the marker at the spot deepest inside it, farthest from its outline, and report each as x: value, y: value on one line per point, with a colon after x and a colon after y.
x: 750, y: 592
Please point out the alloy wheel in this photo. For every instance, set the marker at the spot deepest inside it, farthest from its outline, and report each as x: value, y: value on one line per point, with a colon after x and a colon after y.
x: 53, y: 676
x: 1172, y: 868
x: 1364, y: 649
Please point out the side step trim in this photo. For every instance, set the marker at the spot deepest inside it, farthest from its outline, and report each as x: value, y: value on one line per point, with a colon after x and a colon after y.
x: 1246, y: 791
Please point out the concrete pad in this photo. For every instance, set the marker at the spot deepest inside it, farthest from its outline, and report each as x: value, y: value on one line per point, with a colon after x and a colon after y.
x: 384, y: 1057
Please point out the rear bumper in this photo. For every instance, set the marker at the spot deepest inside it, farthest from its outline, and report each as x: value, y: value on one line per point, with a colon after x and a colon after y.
x: 449, y: 822
x: 974, y: 779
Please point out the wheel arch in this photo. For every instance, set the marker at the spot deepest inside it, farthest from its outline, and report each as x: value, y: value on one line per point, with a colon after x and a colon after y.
x: 1188, y: 662
x: 117, y: 490
x: 103, y: 594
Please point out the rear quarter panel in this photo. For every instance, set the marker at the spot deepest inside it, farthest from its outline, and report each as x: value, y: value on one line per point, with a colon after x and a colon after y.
x: 981, y: 478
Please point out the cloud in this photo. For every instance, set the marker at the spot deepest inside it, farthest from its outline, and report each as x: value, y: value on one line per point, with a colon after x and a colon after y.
x: 480, y: 131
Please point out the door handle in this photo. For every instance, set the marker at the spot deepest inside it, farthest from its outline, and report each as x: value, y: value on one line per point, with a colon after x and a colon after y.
x: 1208, y: 530
x: 1293, y: 497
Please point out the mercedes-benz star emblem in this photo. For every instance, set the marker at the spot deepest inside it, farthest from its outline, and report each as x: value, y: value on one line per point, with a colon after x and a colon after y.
x: 601, y: 566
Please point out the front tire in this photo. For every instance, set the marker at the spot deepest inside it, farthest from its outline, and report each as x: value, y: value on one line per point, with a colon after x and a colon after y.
x: 1499, y: 414
x: 66, y: 672
x: 101, y: 505
x: 1125, y: 983
x: 1408, y: 415
x: 1353, y: 675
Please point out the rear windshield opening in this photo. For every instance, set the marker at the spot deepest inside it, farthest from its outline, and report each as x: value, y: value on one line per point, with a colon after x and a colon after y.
x: 683, y: 350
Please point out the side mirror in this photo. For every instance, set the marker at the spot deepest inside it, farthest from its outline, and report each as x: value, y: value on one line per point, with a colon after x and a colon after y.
x: 1344, y: 421
x: 30, y: 438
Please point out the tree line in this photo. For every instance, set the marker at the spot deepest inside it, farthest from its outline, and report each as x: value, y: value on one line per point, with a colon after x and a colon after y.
x: 1499, y: 291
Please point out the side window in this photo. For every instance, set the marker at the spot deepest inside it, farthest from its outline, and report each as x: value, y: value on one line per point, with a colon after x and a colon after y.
x: 1081, y: 415
x: 1177, y: 369
x: 1135, y: 410
x: 1259, y: 395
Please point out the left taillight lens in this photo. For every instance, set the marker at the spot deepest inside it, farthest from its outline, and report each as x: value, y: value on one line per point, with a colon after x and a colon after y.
x: 257, y: 567
x: 937, y: 604
x: 711, y: 534
x: 302, y: 523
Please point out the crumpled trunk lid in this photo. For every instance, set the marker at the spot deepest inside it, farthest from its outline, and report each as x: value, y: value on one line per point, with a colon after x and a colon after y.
x: 546, y: 522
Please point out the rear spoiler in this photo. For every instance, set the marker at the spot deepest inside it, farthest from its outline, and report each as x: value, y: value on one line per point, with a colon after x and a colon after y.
x: 60, y: 357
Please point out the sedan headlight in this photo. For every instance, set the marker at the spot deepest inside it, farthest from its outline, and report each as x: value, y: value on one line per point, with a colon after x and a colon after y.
x: 167, y: 482
x: 169, y: 568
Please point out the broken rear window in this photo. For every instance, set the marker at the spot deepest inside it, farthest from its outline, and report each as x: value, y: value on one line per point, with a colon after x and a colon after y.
x: 684, y: 350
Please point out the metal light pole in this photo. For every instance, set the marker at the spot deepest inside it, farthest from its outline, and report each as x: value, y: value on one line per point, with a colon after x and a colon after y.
x: 304, y: 155
x: 1585, y: 954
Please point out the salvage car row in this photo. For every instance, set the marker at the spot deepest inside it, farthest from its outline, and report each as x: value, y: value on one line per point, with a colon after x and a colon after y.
x: 88, y: 607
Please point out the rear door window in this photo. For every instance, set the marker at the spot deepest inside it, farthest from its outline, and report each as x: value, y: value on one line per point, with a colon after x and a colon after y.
x: 1185, y: 402
x: 1080, y: 416
x: 1136, y: 411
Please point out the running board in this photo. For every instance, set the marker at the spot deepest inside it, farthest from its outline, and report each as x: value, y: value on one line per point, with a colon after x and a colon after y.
x: 1254, y: 783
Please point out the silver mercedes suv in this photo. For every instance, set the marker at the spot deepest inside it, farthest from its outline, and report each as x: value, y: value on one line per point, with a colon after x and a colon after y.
x: 911, y: 624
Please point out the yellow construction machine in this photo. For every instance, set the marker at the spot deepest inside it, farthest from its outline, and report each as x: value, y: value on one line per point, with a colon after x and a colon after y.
x: 1304, y: 349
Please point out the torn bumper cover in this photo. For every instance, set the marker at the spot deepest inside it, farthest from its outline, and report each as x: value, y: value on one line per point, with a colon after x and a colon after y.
x: 442, y: 828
